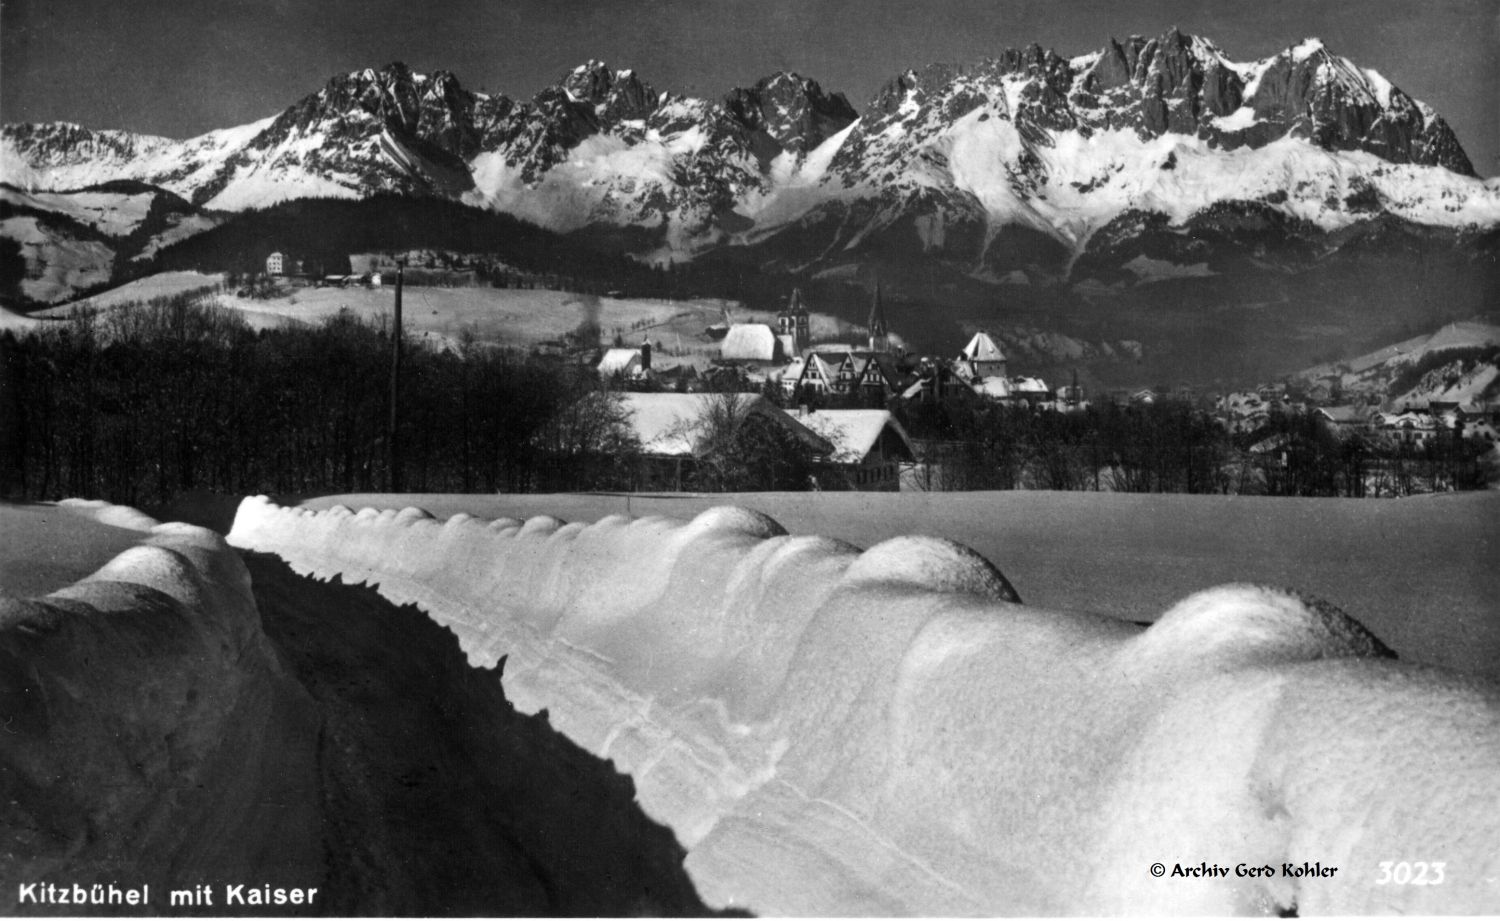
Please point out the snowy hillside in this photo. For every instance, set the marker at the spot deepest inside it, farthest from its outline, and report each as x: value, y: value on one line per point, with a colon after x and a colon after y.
x: 75, y: 240
x: 823, y: 728
x: 1103, y: 144
x: 445, y: 317
x: 1458, y: 381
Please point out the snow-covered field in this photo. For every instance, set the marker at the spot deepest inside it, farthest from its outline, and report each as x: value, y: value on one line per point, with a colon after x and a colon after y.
x: 165, y: 284
x: 505, y: 316
x: 1417, y: 572
x: 445, y: 316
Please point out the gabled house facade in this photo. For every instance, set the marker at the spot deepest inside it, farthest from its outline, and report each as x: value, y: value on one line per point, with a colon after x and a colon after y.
x: 868, y: 447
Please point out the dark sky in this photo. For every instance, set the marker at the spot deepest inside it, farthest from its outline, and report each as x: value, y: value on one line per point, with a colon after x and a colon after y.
x: 182, y: 67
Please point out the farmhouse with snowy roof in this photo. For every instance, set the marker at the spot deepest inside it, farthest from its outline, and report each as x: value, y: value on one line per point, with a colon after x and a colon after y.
x: 626, y: 364
x: 671, y: 429
x: 869, y: 446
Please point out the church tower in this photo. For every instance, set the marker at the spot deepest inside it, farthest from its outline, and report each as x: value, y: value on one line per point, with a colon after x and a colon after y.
x: 880, y: 336
x: 793, y: 322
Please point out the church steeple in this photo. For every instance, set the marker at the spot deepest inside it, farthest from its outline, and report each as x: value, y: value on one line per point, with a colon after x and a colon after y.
x: 880, y: 337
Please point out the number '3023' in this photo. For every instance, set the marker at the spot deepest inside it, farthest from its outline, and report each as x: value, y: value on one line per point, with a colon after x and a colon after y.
x: 1410, y: 873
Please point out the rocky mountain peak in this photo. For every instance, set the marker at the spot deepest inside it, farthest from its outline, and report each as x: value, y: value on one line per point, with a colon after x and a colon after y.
x: 1308, y: 91
x: 615, y: 95
x: 791, y: 110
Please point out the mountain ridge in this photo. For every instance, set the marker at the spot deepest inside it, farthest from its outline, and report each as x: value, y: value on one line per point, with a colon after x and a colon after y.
x: 1153, y: 177
x: 705, y: 165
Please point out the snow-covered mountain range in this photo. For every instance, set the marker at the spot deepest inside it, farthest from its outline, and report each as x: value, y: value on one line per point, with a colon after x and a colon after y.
x: 1079, y: 152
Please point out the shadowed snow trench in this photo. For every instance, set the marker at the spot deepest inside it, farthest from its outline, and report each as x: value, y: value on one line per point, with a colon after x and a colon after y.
x: 438, y: 798
x: 160, y: 734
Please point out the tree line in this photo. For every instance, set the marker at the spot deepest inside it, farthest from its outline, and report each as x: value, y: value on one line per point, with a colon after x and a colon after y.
x: 1173, y: 446
x: 137, y: 405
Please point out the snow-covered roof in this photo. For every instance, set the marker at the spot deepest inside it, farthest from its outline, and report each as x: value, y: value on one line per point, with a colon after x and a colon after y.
x: 993, y: 387
x: 749, y: 342
x: 619, y: 361
x: 669, y: 424
x: 982, y: 348
x: 1028, y: 385
x: 854, y: 432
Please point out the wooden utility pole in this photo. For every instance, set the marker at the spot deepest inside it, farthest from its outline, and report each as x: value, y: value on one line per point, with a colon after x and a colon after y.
x: 392, y: 446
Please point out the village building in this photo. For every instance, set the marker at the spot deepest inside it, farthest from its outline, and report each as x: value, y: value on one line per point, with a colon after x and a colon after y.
x: 1408, y: 427
x: 930, y: 381
x: 626, y: 364
x: 880, y: 334
x: 980, y: 359
x: 881, y: 377
x: 793, y: 326
x: 1346, y: 420
x: 868, y: 446
x: 1031, y: 390
x: 276, y: 264
x: 1071, y: 397
x: 1242, y: 412
x: 670, y: 429
x: 752, y: 343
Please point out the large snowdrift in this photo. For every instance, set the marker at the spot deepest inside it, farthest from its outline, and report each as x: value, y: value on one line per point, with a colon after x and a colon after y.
x: 891, y: 731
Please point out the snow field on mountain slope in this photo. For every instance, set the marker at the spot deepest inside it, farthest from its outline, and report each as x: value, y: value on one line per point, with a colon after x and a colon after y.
x: 66, y: 264
x: 603, y: 178
x: 259, y: 186
x: 795, y: 186
x: 881, y: 732
x: 1465, y: 334
x: 111, y: 213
